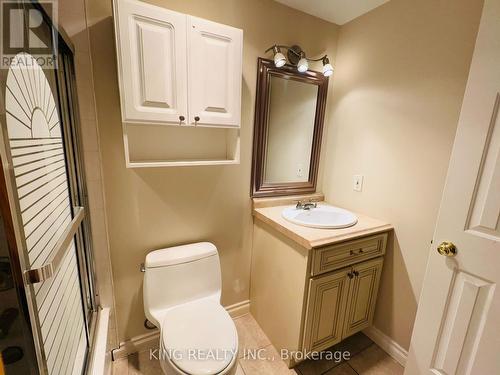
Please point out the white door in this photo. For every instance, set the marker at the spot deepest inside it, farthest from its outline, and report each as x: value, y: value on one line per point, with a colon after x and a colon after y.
x: 457, y: 330
x: 215, y: 59
x: 151, y: 49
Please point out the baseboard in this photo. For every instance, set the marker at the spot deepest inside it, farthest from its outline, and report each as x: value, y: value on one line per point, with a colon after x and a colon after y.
x: 390, y: 346
x: 238, y: 309
x: 150, y: 340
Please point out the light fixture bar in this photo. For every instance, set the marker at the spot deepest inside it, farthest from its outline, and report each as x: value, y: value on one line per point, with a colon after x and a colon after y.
x: 296, y: 56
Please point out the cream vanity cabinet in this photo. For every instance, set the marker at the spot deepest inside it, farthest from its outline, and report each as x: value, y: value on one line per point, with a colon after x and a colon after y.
x: 310, y: 299
x: 341, y: 303
x: 176, y: 69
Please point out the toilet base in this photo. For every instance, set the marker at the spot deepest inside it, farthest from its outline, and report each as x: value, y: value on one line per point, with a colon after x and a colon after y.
x: 169, y: 368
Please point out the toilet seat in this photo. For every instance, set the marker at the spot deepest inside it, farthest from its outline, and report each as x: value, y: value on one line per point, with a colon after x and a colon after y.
x: 199, y: 337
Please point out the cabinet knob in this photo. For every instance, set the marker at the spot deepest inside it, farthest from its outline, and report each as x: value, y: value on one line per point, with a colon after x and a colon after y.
x: 181, y: 119
x: 196, y: 119
x: 350, y: 275
x: 356, y: 273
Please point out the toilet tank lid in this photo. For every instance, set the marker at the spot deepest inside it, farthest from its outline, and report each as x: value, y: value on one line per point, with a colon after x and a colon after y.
x: 179, y: 254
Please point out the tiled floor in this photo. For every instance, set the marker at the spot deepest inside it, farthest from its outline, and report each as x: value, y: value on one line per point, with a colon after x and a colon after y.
x: 366, y: 358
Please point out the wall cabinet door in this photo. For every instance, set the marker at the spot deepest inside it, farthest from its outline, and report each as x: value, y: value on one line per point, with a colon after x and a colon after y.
x: 152, y: 62
x: 363, y: 288
x: 325, y: 310
x: 214, y: 60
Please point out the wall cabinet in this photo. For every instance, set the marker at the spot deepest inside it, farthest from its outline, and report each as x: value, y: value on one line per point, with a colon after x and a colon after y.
x: 182, y: 71
x: 152, y: 63
x: 214, y: 73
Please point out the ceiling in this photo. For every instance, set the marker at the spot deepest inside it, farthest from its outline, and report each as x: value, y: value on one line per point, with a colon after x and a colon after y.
x: 336, y: 11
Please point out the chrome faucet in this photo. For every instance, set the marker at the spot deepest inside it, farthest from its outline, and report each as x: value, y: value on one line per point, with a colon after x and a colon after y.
x: 306, y: 205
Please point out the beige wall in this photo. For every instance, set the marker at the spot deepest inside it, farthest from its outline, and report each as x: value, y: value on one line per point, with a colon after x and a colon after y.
x: 400, y: 78
x: 152, y: 208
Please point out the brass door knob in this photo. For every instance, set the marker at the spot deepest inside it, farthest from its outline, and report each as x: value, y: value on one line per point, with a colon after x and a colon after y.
x: 447, y: 249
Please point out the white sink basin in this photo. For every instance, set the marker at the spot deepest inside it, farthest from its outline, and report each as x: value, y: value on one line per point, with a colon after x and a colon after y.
x: 323, y: 216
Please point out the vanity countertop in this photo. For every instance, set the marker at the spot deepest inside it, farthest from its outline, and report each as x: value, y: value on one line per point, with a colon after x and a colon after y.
x: 313, y: 237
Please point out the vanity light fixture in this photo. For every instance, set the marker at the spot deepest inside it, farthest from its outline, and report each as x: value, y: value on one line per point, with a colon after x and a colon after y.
x: 302, y: 65
x: 327, y: 67
x: 296, y: 56
x: 279, y: 58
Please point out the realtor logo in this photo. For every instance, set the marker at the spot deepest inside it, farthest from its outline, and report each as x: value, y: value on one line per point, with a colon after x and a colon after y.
x: 23, y: 30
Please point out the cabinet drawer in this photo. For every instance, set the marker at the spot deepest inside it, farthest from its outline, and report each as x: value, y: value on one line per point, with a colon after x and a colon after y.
x: 340, y: 255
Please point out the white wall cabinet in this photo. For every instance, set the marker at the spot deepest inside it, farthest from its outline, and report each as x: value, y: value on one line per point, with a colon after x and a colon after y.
x: 178, y: 70
x: 152, y: 63
x: 214, y: 73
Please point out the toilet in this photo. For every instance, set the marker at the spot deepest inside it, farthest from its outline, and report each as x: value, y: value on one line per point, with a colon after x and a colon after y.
x: 182, y: 290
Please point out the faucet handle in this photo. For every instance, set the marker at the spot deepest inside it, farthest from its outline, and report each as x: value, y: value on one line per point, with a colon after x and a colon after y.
x: 314, y: 202
x: 299, y: 205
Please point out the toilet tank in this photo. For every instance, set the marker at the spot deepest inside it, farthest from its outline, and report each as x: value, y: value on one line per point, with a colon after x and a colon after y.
x: 180, y: 274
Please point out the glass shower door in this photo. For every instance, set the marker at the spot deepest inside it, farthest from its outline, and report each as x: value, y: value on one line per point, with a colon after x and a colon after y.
x: 47, y: 199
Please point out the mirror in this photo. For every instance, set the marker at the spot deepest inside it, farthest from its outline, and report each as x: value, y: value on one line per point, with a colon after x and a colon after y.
x: 289, y: 115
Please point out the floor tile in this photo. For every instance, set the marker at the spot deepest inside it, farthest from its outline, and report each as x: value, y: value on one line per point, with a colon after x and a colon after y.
x: 120, y: 366
x: 250, y: 335
x: 268, y: 363
x: 374, y: 361
x: 350, y: 346
x: 144, y: 364
x: 343, y: 369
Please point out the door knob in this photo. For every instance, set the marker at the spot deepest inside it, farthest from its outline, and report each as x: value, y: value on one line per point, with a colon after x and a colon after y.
x: 447, y: 249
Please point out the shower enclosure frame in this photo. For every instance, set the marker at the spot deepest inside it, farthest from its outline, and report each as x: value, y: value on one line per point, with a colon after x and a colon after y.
x: 9, y: 205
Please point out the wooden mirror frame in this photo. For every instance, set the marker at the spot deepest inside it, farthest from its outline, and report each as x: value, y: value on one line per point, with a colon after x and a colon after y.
x: 266, y: 70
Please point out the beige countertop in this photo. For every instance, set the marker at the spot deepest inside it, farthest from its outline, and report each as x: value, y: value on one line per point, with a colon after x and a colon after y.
x: 313, y: 237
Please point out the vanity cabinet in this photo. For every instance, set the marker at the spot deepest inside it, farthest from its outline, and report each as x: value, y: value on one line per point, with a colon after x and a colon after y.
x: 341, y: 303
x: 308, y: 299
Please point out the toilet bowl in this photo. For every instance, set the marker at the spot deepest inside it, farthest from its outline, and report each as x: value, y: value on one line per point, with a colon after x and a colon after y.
x: 182, y: 289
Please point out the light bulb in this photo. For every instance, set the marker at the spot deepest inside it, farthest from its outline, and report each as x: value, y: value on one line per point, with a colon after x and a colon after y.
x: 302, y: 65
x: 327, y: 70
x: 279, y: 60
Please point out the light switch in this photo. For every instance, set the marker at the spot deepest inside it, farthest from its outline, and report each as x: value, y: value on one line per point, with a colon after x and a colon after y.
x: 357, y: 182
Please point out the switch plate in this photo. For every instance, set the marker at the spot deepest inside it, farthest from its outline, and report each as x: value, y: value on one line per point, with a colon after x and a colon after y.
x: 300, y: 170
x: 357, y: 182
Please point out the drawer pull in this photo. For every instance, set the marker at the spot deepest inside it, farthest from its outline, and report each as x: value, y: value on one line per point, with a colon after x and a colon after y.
x: 336, y: 256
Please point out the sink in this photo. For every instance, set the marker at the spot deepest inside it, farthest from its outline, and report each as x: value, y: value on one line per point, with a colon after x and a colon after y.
x: 322, y: 216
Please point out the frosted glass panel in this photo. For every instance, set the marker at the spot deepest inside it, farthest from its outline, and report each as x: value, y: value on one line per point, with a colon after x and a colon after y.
x: 38, y: 159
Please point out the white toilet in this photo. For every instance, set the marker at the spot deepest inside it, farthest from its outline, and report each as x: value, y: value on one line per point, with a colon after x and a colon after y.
x: 182, y: 289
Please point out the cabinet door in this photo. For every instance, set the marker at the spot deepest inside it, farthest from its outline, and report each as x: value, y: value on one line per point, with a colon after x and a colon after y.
x: 362, y: 296
x: 152, y: 62
x: 214, y: 58
x: 325, y: 310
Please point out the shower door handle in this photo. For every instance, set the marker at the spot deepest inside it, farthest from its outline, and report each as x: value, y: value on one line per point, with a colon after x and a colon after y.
x: 37, y: 275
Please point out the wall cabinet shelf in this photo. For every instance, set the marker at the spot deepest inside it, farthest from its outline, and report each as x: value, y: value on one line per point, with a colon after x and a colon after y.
x: 177, y: 73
